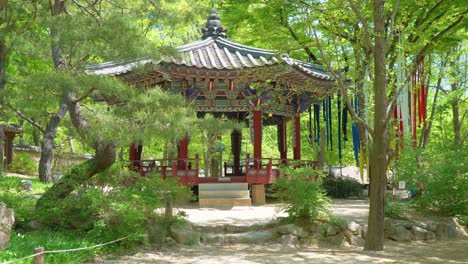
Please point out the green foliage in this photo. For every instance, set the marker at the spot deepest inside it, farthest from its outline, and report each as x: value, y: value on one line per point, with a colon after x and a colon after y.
x: 341, y: 187
x: 440, y: 178
x: 302, y: 193
x: 119, y: 203
x: 22, y: 202
x: 150, y: 115
x: 212, y: 129
x: 396, y: 209
x: 23, y: 164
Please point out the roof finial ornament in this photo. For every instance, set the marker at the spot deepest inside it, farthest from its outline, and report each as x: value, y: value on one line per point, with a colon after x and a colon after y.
x: 213, y: 25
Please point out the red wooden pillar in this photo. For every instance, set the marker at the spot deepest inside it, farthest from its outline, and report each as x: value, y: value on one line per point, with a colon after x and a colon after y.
x: 236, y: 143
x: 282, y: 145
x: 297, y: 137
x: 134, y: 153
x: 183, y: 153
x: 257, y: 131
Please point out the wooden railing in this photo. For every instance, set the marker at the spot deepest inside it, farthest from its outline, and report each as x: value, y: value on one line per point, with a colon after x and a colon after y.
x: 254, y: 171
x: 185, y: 169
x: 266, y: 170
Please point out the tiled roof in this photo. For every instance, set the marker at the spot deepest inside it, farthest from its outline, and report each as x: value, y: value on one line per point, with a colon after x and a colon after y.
x: 216, y: 52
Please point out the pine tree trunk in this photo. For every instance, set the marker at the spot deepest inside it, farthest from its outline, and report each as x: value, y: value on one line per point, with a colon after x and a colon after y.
x: 3, y: 54
x: 104, y: 157
x: 378, y: 157
x: 47, y: 144
x: 2, y: 145
x: 3, y: 57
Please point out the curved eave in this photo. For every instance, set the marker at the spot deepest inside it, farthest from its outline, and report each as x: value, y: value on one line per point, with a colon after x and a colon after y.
x: 217, y: 54
x: 12, y: 129
x: 118, y: 67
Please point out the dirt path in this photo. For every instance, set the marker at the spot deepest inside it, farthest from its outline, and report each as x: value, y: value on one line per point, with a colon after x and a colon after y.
x: 453, y: 252
x: 417, y: 252
x: 356, y: 210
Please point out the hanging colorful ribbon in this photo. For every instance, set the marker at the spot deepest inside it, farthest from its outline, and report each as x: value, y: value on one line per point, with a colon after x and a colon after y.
x: 317, y: 122
x: 418, y: 107
x: 338, y: 103
x: 330, y: 121
x: 326, y: 117
x: 356, y: 143
x: 345, y: 123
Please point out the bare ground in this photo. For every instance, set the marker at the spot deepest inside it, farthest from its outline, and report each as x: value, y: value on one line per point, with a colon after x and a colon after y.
x: 415, y: 252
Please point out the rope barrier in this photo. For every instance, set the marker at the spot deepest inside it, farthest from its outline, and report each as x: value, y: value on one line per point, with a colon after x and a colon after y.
x: 64, y: 250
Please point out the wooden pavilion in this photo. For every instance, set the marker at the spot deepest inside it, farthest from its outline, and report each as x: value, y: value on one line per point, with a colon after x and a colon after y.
x: 225, y: 78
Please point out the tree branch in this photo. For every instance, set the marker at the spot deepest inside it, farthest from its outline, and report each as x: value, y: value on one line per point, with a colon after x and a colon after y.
x: 441, y: 34
x: 392, y: 21
x: 361, y: 18
x: 85, y: 10
x: 285, y: 23
x: 86, y: 95
x: 343, y: 85
x: 24, y: 117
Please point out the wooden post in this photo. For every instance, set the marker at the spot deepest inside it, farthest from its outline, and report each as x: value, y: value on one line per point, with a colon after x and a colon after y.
x: 236, y: 142
x: 247, y: 163
x: 39, y: 259
x: 257, y: 131
x: 282, y: 145
x: 183, y: 153
x: 297, y: 137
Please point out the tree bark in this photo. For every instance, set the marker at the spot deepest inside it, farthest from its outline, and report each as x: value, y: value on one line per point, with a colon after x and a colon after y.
x: 55, y: 34
x: 427, y: 129
x: 456, y: 117
x: 3, y: 57
x: 378, y: 157
x: 2, y: 146
x: 104, y: 157
x: 47, y: 145
x: 3, y: 54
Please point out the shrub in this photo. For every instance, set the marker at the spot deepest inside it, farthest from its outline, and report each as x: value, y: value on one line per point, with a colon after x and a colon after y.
x: 440, y: 178
x: 302, y: 193
x: 395, y: 208
x: 120, y: 203
x: 23, y: 164
x: 341, y: 187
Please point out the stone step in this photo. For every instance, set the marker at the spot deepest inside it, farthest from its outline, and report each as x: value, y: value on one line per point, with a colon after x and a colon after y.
x: 223, y: 186
x: 224, y: 194
x: 224, y: 202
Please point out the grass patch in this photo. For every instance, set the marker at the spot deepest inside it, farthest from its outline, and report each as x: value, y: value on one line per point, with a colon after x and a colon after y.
x: 21, y: 201
x: 22, y: 245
